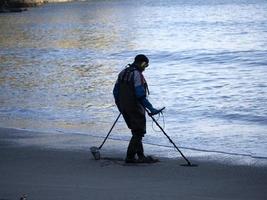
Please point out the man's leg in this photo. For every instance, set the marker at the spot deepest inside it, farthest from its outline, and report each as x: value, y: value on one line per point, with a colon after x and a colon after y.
x: 135, y: 147
x: 140, y: 148
x: 136, y: 121
x: 131, y: 151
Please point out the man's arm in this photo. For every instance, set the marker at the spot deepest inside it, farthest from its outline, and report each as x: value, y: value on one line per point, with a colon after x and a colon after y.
x: 141, y: 93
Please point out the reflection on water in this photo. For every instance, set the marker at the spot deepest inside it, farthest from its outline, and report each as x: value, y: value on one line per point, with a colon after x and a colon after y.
x: 208, y: 67
x: 80, y: 25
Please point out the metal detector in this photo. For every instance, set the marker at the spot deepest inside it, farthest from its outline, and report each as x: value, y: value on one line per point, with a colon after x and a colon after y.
x: 189, y: 164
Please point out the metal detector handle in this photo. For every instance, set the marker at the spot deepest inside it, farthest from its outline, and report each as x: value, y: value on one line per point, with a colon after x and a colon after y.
x: 109, y: 132
x: 159, y: 111
x: 188, y: 162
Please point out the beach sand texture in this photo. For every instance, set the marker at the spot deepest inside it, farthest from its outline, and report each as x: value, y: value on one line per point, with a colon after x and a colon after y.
x: 44, y: 173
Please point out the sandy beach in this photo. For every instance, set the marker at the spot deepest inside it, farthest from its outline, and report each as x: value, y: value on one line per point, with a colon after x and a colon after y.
x: 28, y: 165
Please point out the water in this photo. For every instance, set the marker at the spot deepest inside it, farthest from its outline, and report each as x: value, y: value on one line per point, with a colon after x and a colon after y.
x: 208, y: 66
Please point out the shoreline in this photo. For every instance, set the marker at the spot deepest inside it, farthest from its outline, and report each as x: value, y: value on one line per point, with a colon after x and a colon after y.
x: 82, y: 142
x: 22, y: 5
x: 59, y: 172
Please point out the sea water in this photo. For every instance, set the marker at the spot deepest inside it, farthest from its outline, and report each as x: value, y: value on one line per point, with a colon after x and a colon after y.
x: 208, y: 67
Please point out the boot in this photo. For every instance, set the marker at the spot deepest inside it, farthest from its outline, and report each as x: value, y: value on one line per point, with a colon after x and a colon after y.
x: 147, y: 159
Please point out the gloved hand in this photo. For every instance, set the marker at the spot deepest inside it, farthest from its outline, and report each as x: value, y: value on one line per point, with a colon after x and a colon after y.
x: 154, y: 111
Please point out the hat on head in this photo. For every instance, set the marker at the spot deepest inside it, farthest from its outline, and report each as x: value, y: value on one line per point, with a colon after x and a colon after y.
x: 141, y: 58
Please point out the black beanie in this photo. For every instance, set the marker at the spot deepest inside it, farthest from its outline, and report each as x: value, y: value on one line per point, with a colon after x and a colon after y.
x: 141, y: 58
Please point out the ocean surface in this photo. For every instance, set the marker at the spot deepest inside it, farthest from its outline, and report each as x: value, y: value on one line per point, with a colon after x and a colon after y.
x: 208, y: 67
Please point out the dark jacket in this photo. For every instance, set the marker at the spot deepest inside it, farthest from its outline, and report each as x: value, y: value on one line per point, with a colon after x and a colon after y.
x: 130, y: 93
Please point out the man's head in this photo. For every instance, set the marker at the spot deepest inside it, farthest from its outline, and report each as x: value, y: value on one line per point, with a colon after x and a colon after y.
x: 141, y: 61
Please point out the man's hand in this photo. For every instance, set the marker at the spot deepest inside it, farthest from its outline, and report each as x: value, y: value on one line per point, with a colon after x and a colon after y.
x: 154, y: 111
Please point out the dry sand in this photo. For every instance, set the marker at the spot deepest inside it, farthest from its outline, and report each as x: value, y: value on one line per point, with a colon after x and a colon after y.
x: 28, y: 165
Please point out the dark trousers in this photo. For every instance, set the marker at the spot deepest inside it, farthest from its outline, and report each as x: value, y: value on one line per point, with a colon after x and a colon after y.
x: 135, y: 118
x: 135, y: 147
x: 136, y: 122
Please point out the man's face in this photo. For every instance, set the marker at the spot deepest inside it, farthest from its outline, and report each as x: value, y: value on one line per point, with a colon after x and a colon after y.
x: 144, y: 65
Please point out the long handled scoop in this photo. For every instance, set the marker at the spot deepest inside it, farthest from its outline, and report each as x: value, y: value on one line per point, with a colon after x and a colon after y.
x: 96, y: 150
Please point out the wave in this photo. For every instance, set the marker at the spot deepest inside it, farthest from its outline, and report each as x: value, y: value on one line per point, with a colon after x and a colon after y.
x: 201, y: 56
x: 248, y: 118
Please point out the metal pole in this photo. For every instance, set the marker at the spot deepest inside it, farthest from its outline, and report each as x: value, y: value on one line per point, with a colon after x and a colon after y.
x: 188, y: 162
x: 109, y: 131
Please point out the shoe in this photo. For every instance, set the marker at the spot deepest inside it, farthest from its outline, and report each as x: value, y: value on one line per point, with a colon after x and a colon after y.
x: 147, y: 159
x: 130, y: 160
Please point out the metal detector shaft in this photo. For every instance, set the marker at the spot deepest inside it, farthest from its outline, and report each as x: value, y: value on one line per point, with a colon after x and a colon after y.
x: 109, y: 131
x: 168, y: 137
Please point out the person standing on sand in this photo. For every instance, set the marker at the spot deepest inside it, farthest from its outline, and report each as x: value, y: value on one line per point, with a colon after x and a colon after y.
x: 130, y: 94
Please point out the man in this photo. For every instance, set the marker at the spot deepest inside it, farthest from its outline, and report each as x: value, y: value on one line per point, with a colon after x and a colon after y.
x: 130, y: 93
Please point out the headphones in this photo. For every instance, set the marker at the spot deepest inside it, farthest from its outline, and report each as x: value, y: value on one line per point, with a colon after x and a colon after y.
x: 144, y: 65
